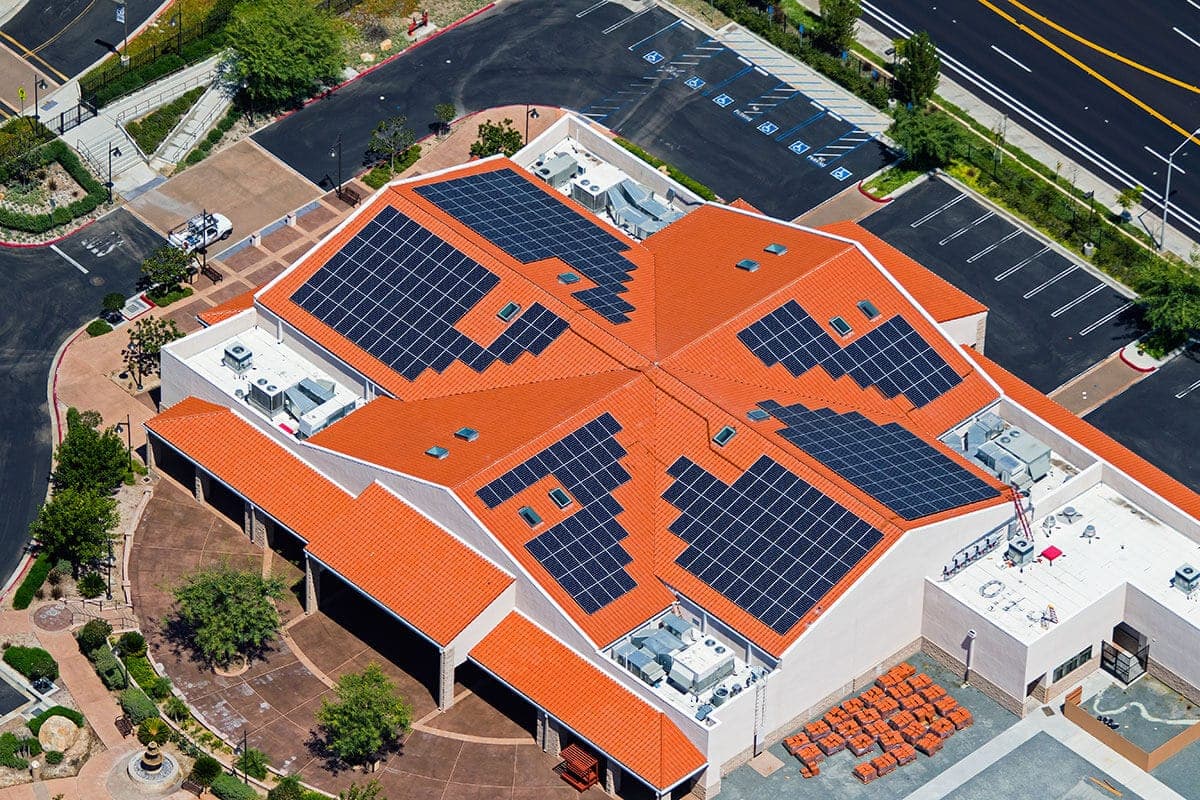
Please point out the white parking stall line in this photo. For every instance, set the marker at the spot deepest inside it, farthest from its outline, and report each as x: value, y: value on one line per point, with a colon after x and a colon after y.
x: 1058, y: 312
x: 992, y: 247
x: 967, y: 227
x: 1022, y: 263
x: 984, y: 218
x: 590, y: 9
x: 1184, y: 35
x: 626, y: 21
x: 1106, y: 318
x: 745, y: 61
x: 1188, y: 391
x: 1010, y: 58
x: 1053, y: 280
x: 685, y: 63
x: 69, y: 260
x: 937, y: 211
x: 760, y: 71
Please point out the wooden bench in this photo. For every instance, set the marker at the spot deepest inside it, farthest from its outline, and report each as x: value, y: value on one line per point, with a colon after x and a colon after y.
x: 212, y: 273
x: 193, y: 787
x: 124, y: 726
x: 348, y: 195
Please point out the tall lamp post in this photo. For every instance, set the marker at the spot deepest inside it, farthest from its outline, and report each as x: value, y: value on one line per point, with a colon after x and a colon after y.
x: 38, y: 83
x: 112, y: 151
x: 337, y: 151
x: 1162, y: 234
x: 128, y: 425
x: 530, y: 113
x: 123, y: 16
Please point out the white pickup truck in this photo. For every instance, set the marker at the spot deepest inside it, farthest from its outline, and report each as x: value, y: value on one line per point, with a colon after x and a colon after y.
x: 200, y: 231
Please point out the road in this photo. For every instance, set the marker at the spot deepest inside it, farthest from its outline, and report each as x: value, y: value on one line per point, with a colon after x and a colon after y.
x: 647, y: 76
x: 59, y: 37
x: 54, y: 297
x: 1119, y: 118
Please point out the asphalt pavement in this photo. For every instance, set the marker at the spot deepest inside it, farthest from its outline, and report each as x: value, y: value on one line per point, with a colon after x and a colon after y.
x: 66, y: 37
x: 1108, y: 113
x: 1159, y: 418
x: 47, y: 296
x: 647, y: 75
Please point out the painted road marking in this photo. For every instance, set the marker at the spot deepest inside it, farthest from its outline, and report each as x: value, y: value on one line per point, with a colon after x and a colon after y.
x: 1010, y: 58
x: 1184, y: 35
x: 1051, y: 281
x: 1188, y: 390
x: 626, y: 21
x: 992, y: 247
x: 1163, y: 159
x: 590, y: 9
x: 984, y: 218
x: 798, y: 147
x: 69, y: 260
x: 633, y: 46
x: 654, y: 57
x: 768, y: 128
x: 723, y: 100
x: 841, y: 173
x: 1058, y: 312
x: 937, y: 211
x: 694, y: 82
x: 1020, y: 264
x: 1105, y: 319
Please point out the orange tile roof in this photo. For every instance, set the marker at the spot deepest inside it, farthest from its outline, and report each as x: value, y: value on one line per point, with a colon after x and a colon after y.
x: 378, y: 542
x: 1091, y: 437
x: 231, y: 307
x: 943, y: 300
x: 589, y: 702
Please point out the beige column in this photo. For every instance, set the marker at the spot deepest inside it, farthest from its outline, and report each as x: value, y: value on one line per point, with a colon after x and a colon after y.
x: 446, y: 678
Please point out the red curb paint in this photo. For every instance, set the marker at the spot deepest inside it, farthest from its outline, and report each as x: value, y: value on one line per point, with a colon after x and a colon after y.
x: 54, y: 389
x: 869, y: 196
x: 26, y: 245
x: 1131, y: 365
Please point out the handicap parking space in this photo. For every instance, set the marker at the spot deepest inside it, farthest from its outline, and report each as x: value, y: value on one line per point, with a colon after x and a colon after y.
x: 1050, y: 318
x: 1159, y: 418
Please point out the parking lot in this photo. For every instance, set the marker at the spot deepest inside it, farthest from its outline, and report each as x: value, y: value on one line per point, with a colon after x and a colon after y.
x: 645, y: 74
x: 1159, y: 418
x: 1049, y: 319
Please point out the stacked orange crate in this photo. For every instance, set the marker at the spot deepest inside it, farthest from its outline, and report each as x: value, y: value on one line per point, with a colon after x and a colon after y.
x: 905, y: 754
x: 865, y: 772
x: 831, y: 744
x: 884, y: 764
x: 860, y: 744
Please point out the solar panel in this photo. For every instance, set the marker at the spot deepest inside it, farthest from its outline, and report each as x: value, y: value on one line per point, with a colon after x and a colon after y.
x: 888, y: 462
x: 583, y: 552
x: 397, y: 291
x: 530, y: 225
x: 893, y: 357
x: 770, y: 543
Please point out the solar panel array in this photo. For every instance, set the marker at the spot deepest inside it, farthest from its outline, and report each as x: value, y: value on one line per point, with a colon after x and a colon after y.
x: 396, y: 290
x: 770, y: 543
x: 888, y: 462
x: 583, y: 552
x: 893, y: 357
x: 530, y: 225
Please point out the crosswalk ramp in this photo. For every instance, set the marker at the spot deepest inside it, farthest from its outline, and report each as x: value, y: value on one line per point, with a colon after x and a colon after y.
x: 839, y: 101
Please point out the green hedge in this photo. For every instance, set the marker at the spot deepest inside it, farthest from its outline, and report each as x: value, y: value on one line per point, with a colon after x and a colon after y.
x: 227, y: 787
x: 137, y: 705
x: 10, y: 744
x: 33, y: 581
x: 40, y: 223
x: 143, y: 673
x: 173, y: 296
x: 150, y: 131
x: 98, y: 327
x: 200, y: 152
x: 676, y: 174
x: 32, y: 662
x: 382, y: 173
x: 35, y: 724
x: 108, y: 668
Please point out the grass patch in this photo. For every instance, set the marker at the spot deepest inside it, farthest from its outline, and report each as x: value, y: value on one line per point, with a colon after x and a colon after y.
x: 33, y: 581
x: 98, y: 327
x: 382, y: 173
x: 173, y: 296
x: 32, y: 662
x: 678, y: 175
x: 891, y: 179
x: 150, y: 131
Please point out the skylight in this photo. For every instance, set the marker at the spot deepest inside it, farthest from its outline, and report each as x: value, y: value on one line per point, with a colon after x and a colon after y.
x: 748, y: 264
x: 467, y: 434
x: 840, y: 326
x: 757, y: 415
x: 568, y: 278
x: 724, y: 435
x: 868, y: 308
x: 509, y: 311
x: 437, y: 452
x: 530, y: 516
x: 775, y: 249
x: 560, y: 497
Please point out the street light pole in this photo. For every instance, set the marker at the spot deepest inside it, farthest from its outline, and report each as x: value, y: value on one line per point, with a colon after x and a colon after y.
x: 110, y: 566
x: 338, y: 146
x: 530, y: 113
x: 1162, y: 234
x: 112, y: 151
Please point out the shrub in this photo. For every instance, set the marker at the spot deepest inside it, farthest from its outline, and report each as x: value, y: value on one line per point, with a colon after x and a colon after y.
x: 214, y: 136
x: 9, y: 744
x: 109, y: 669
x: 195, y: 157
x: 112, y: 302
x: 176, y: 709
x: 33, y: 581
x: 153, y: 729
x: 227, y: 787
x: 206, y: 770
x: 137, y: 705
x: 253, y: 762
x: 132, y: 643
x: 32, y: 662
x: 53, y: 757
x: 204, y: 146
x: 288, y: 788
x: 31, y: 746
x: 150, y: 131
x: 91, y: 585
x: 93, y: 635
x: 158, y: 689
x: 35, y: 724
x: 132, y: 80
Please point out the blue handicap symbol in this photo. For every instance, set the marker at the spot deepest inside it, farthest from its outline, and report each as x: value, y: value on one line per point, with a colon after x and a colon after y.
x: 768, y: 128
x: 654, y: 56
x: 723, y: 100
x: 841, y: 173
x: 695, y: 82
x: 798, y: 147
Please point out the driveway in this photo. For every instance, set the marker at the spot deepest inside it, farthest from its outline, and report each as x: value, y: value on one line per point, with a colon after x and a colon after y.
x: 65, y: 37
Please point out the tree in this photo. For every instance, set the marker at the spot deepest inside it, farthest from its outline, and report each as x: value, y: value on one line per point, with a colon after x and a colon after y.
x: 112, y: 303
x: 370, y: 791
x: 89, y: 458
x: 253, y: 762
x: 1129, y: 197
x: 497, y: 138
x: 835, y: 33
x: 227, y: 613
x: 75, y: 524
x: 284, y: 49
x: 288, y: 788
x: 445, y: 114
x: 930, y: 138
x: 1170, y: 298
x: 165, y: 268
x: 146, y: 340
x: 367, y: 715
x: 918, y: 69
x: 391, y: 138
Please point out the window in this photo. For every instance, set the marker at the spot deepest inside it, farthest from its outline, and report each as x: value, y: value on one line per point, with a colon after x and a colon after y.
x: 1072, y: 664
x: 568, y: 278
x: 775, y: 249
x: 757, y: 415
x: 530, y: 516
x: 508, y: 312
x: 467, y: 434
x: 437, y: 452
x: 748, y: 264
x: 841, y: 326
x: 560, y: 497
x: 868, y: 308
x: 724, y: 435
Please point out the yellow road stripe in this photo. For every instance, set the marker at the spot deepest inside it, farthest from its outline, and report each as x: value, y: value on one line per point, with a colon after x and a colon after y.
x: 64, y: 28
x: 1144, y: 106
x: 25, y: 51
x: 1129, y: 62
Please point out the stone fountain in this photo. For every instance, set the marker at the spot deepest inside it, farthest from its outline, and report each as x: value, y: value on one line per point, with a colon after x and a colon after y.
x: 153, y: 769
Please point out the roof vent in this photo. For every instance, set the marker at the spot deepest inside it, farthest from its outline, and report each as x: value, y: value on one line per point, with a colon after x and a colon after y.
x: 568, y: 278
x: 508, y: 312
x: 437, y: 452
x: 237, y: 357
x: 530, y: 516
x: 748, y: 264
x: 868, y: 308
x: 560, y: 497
x: 1020, y: 551
x: 724, y: 435
x: 1186, y: 579
x: 840, y: 326
x: 775, y: 249
x: 757, y: 415
x: 467, y: 434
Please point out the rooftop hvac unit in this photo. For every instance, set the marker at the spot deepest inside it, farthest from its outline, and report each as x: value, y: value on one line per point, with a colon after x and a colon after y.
x: 663, y: 645
x: 992, y: 423
x: 701, y: 666
x: 1186, y: 579
x: 622, y: 652
x: 677, y: 626
x: 237, y: 357
x: 1020, y: 551
x: 720, y: 695
x: 642, y: 663
x: 589, y: 194
x: 556, y: 170
x: 267, y: 396
x: 1029, y: 451
x: 1003, y: 464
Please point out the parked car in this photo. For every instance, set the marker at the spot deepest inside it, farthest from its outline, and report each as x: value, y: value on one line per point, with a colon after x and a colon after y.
x: 200, y: 231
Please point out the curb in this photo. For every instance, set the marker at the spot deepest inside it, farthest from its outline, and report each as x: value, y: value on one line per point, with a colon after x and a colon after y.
x: 1131, y: 365
x: 56, y: 240
x: 871, y: 197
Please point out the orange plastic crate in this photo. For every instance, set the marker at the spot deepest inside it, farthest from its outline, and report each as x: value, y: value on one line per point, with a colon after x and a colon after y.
x: 925, y: 713
x: 831, y: 744
x: 871, y: 695
x: 943, y: 727
x: 815, y: 730
x: 929, y: 744
x: 853, y: 706
x: 912, y: 702
x: 859, y: 744
x: 931, y: 693
x: 890, y: 740
x: 961, y: 718
x: 920, y: 681
x: 913, y: 732
x: 945, y: 705
x: 904, y: 754
x: 796, y: 741
x: 886, y: 707
x: 847, y: 729
x: 902, y: 720
x: 865, y: 772
x: 884, y: 764
x: 867, y: 716
x: 809, y: 770
x: 810, y: 754
x: 885, y: 681
x: 877, y: 728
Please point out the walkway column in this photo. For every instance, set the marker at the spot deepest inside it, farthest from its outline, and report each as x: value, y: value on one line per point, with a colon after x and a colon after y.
x: 548, y: 734
x: 254, y: 524
x: 202, y: 485
x: 446, y: 678
x: 150, y: 452
x: 612, y: 776
x: 312, y: 581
